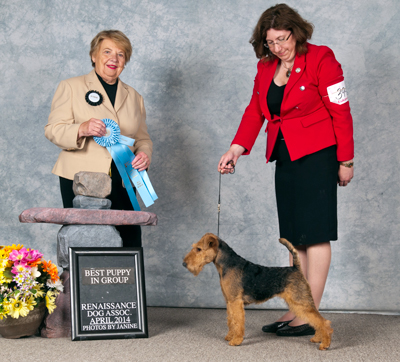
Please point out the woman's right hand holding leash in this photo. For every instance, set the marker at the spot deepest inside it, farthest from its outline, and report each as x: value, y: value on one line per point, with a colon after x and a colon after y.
x: 234, y: 152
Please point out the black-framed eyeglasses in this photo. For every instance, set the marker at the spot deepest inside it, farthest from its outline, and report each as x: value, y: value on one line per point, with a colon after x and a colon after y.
x: 268, y: 44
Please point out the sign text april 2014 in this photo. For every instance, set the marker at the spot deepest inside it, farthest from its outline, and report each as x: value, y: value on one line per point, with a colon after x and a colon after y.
x: 108, y: 315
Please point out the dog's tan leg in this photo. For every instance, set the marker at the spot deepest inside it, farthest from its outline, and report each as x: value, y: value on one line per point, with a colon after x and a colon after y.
x: 229, y: 336
x: 323, y: 335
x: 236, y: 320
x: 303, y: 307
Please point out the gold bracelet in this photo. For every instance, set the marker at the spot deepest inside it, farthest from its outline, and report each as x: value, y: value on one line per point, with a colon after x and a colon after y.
x: 347, y: 164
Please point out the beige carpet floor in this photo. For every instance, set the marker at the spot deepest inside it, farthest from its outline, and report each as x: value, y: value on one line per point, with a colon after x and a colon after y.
x: 180, y: 334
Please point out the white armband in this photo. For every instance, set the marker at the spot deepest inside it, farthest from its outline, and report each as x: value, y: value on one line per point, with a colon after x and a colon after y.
x: 337, y: 93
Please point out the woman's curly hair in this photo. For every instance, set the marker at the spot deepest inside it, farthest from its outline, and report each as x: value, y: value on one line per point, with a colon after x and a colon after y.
x: 280, y: 17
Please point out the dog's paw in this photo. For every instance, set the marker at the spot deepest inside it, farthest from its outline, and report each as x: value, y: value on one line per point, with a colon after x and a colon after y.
x: 323, y: 347
x: 229, y: 336
x: 237, y: 341
x: 316, y: 339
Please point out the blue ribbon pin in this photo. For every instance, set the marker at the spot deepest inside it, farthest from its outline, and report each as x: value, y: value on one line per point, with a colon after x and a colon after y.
x: 117, y: 145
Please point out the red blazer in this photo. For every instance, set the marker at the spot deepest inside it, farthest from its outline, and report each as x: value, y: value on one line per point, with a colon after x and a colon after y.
x: 310, y: 119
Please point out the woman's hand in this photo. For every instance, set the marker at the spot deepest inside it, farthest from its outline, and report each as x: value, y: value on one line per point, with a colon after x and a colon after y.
x: 92, y: 127
x: 234, y: 152
x: 141, y: 161
x: 345, y: 175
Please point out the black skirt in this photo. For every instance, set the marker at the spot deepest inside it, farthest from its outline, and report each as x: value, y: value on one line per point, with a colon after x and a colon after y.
x: 306, y: 195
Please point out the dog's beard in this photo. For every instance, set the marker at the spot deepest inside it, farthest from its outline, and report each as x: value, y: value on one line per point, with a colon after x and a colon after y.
x: 195, y: 271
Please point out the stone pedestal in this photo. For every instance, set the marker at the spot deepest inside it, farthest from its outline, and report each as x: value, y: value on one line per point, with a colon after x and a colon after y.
x: 89, y: 224
x: 58, y: 323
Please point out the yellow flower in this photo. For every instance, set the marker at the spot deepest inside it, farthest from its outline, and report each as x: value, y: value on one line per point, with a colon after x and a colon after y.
x: 5, y: 303
x: 31, y: 302
x: 6, y: 250
x: 3, y: 279
x: 17, y: 308
x: 3, y: 264
x: 7, y: 276
x: 13, y: 247
x: 39, y: 290
x: 51, y: 295
x: 3, y: 313
x: 50, y: 302
x: 4, y: 308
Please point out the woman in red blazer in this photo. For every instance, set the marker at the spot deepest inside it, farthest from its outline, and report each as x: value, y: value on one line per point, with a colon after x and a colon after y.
x: 299, y: 89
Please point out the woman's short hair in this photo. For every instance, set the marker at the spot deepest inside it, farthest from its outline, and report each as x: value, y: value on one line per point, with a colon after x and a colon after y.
x: 280, y: 17
x: 118, y: 37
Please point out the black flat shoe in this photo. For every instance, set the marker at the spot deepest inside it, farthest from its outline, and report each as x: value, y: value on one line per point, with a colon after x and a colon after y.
x: 288, y: 331
x: 273, y: 327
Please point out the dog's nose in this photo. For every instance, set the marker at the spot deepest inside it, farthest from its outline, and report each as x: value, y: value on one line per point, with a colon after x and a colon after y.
x: 184, y: 264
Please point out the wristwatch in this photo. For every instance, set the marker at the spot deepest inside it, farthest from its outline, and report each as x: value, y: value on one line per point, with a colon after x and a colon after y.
x: 349, y: 164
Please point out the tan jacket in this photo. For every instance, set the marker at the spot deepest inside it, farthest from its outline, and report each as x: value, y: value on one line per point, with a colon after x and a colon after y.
x: 69, y: 110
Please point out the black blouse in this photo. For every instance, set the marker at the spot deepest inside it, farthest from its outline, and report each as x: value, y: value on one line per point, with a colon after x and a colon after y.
x: 274, y: 98
x: 274, y: 101
x: 111, y: 89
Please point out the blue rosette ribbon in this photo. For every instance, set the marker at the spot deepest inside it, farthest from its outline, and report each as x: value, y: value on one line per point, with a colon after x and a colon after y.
x: 117, y: 145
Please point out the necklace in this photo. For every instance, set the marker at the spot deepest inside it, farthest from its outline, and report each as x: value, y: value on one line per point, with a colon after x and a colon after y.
x: 289, y: 70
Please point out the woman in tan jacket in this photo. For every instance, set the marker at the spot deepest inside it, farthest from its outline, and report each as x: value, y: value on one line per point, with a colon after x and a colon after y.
x: 78, y: 107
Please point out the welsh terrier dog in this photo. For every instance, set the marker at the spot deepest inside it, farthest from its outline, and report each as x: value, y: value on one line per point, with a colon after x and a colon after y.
x: 243, y: 282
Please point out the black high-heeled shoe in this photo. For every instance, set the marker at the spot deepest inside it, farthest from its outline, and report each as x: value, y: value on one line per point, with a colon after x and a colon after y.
x: 273, y: 327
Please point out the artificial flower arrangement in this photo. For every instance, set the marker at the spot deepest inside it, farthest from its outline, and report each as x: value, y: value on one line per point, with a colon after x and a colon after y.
x: 26, y: 280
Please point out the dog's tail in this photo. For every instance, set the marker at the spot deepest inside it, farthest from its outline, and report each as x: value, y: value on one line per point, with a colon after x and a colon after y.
x: 293, y: 251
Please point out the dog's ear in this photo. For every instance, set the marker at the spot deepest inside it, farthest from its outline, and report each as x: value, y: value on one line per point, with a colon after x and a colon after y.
x: 210, y: 241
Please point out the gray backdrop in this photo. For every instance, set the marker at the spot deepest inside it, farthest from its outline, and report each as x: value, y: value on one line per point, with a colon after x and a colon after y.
x: 195, y: 69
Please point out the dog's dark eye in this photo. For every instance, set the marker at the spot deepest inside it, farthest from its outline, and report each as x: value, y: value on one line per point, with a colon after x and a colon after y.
x: 198, y: 249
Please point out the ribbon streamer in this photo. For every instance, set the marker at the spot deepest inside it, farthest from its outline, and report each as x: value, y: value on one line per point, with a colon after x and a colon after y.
x: 117, y: 145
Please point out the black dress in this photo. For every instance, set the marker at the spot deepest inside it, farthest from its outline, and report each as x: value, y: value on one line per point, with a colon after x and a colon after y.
x: 306, y: 189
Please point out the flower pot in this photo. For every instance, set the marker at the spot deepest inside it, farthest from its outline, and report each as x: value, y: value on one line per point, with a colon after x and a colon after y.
x: 23, y: 326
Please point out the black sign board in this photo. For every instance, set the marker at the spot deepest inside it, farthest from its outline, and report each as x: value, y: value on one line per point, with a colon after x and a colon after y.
x: 108, y: 298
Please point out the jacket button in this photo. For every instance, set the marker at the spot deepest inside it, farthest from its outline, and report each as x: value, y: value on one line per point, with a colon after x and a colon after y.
x: 302, y: 88
x: 298, y: 70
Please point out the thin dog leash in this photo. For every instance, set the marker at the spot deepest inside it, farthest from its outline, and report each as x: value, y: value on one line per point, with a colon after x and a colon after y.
x: 219, y: 189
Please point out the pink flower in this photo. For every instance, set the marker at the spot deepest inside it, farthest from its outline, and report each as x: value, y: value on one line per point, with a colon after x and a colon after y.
x: 18, y: 255
x: 33, y: 255
x: 19, y: 267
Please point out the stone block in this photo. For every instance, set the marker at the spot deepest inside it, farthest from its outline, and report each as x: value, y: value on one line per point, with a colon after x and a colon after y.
x: 87, y: 202
x: 94, y: 184
x: 84, y: 236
